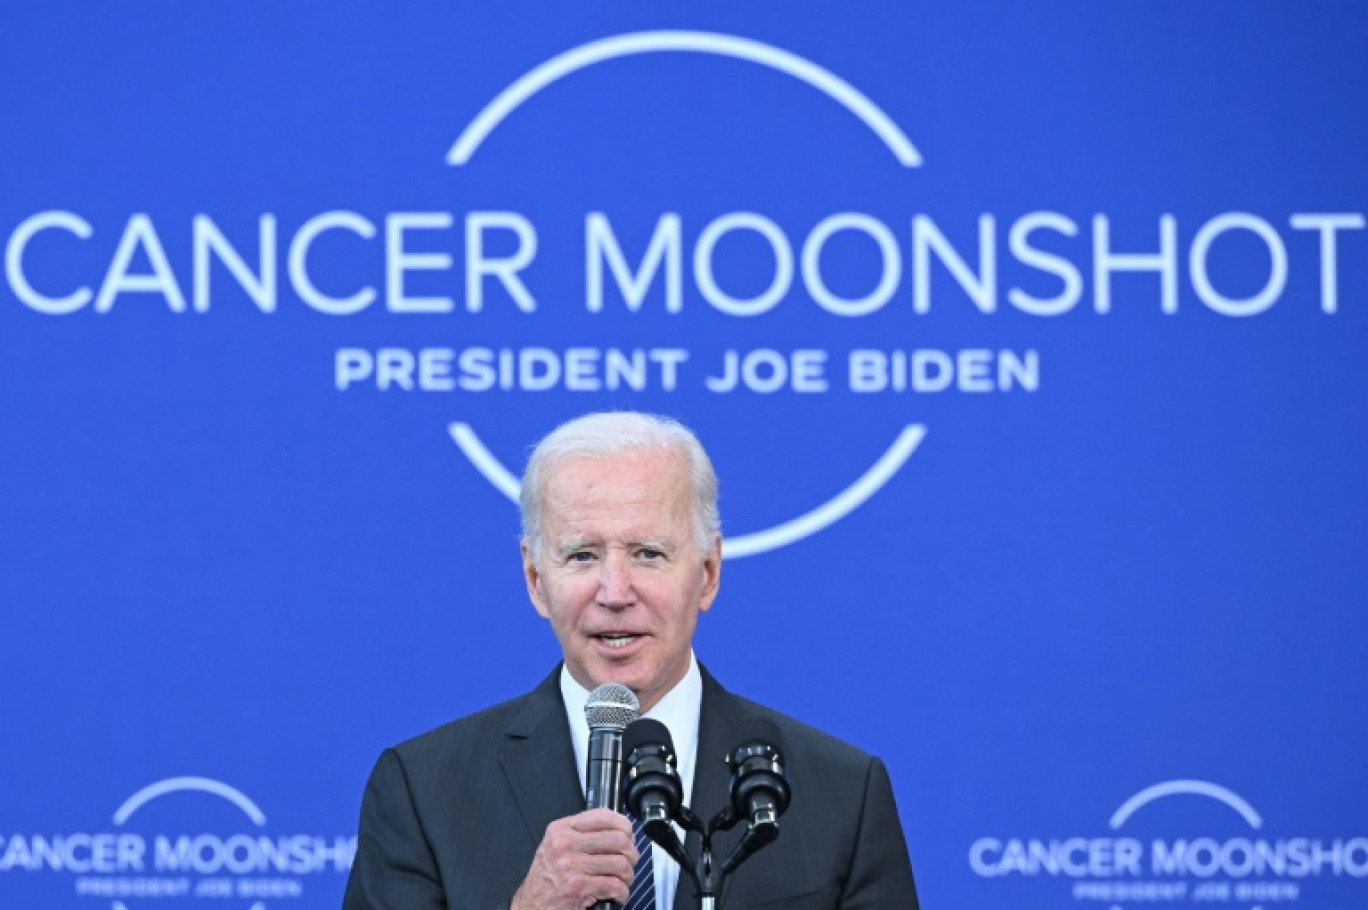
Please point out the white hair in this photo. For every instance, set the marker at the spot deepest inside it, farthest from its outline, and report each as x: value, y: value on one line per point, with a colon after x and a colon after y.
x: 610, y: 434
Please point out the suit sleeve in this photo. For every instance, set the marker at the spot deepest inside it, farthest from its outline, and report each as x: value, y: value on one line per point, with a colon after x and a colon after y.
x: 394, y: 867
x: 880, y: 871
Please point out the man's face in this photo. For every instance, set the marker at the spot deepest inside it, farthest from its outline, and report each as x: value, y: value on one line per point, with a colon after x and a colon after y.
x: 620, y: 576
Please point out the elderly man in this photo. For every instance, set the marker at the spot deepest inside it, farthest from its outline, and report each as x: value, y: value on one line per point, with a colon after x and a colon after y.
x: 621, y: 553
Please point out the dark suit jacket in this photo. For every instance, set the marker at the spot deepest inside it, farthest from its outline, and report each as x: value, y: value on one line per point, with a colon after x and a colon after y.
x: 452, y: 818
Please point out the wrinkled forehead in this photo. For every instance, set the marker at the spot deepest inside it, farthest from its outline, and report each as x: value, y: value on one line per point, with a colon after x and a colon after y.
x: 669, y: 467
x: 653, y: 485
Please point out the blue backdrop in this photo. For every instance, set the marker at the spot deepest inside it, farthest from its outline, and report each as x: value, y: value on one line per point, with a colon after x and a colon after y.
x: 1028, y: 341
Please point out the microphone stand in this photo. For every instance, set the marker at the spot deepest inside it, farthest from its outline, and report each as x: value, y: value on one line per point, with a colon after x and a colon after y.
x: 651, y: 788
x: 708, y: 876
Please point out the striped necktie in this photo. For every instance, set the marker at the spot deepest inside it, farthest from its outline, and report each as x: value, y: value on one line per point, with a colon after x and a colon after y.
x: 643, y: 880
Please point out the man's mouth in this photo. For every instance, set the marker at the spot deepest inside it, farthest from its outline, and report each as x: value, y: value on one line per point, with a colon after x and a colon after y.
x: 617, y: 639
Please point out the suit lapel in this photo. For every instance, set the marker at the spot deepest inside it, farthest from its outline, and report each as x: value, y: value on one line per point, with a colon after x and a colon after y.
x: 538, y: 759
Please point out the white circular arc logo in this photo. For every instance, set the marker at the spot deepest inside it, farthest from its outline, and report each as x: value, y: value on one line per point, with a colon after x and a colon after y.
x: 179, y: 784
x: 805, y: 525
x: 655, y: 42
x: 1189, y: 787
x: 825, y: 81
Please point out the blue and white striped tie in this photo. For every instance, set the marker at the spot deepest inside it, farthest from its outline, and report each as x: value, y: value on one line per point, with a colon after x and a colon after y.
x: 643, y: 877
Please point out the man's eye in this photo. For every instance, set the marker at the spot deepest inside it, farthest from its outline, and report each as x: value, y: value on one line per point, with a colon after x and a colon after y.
x: 650, y: 554
x: 581, y: 556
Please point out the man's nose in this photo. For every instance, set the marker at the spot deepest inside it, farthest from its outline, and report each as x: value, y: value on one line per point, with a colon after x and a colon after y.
x: 615, y: 582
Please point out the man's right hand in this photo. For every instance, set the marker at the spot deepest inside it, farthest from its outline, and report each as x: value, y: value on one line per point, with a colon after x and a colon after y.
x: 582, y: 859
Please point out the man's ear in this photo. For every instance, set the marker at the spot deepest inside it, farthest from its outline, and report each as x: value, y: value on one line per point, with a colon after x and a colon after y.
x: 712, y: 574
x: 532, y: 575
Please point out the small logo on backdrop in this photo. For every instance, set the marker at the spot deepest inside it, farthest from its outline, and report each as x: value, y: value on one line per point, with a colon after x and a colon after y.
x: 1223, y: 854
x: 180, y: 841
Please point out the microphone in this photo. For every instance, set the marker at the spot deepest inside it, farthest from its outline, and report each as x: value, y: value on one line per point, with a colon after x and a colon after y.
x: 611, y: 707
x: 759, y: 787
x: 651, y: 785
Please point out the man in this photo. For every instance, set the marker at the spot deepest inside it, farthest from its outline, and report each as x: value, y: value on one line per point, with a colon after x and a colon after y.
x: 621, y: 551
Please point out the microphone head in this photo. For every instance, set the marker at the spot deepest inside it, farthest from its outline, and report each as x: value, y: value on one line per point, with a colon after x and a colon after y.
x: 651, y: 788
x: 759, y: 786
x: 612, y: 706
x: 646, y: 730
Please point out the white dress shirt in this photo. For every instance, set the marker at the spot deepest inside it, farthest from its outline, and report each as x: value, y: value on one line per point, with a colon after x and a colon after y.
x: 678, y: 711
